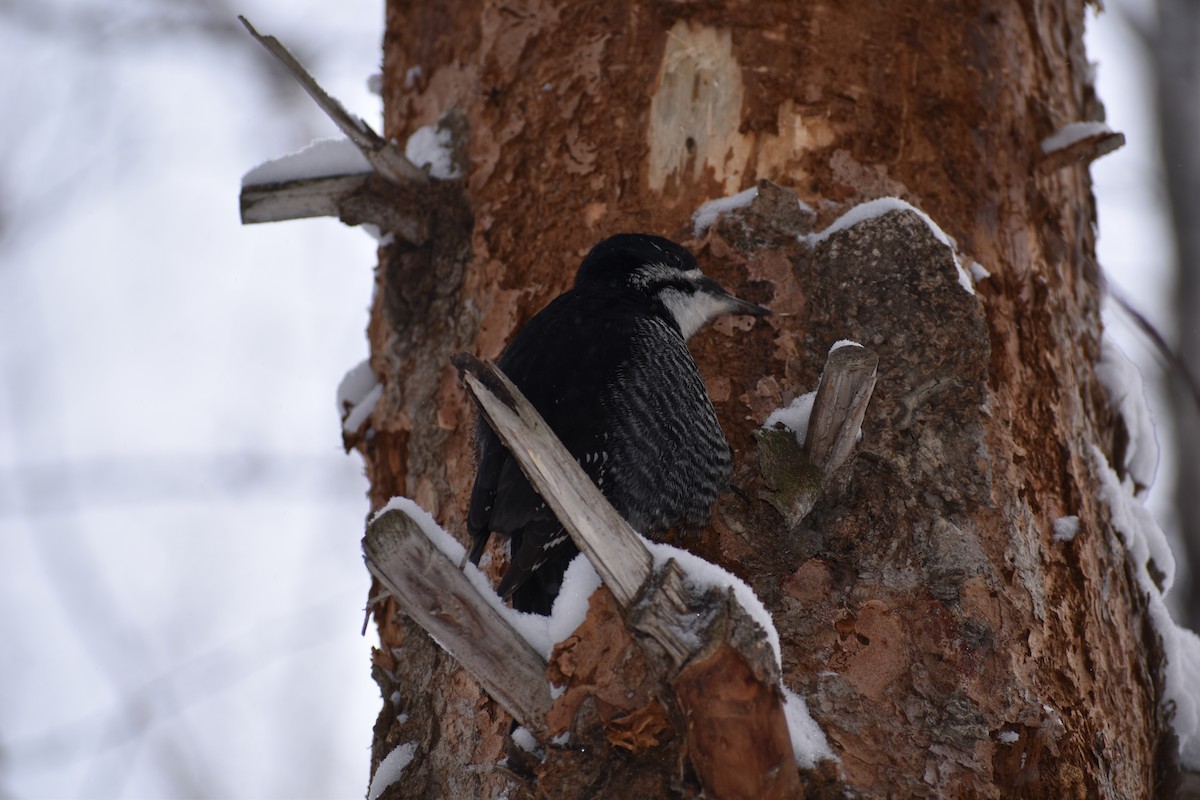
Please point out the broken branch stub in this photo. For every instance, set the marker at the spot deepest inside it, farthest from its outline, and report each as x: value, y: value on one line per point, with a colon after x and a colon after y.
x: 395, y: 196
x: 658, y: 613
x: 438, y: 596
x: 839, y: 407
x: 796, y: 475
x: 298, y: 199
x: 1083, y: 151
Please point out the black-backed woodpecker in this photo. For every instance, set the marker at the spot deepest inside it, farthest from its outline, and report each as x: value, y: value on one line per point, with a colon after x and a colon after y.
x: 606, y: 364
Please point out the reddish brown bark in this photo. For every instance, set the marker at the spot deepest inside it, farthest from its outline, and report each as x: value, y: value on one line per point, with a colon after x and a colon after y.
x: 925, y: 612
x: 716, y: 724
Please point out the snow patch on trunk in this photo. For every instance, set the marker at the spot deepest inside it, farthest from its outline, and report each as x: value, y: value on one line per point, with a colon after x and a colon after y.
x: 1065, y: 528
x: 391, y: 768
x: 809, y: 744
x: 711, y: 211
x: 357, y: 395
x: 430, y: 147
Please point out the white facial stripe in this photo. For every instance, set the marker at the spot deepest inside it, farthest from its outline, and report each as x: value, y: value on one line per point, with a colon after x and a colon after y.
x: 654, y: 273
x: 691, y: 311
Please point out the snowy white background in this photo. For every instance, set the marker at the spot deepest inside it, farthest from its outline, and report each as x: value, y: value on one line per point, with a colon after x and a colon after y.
x: 180, y: 580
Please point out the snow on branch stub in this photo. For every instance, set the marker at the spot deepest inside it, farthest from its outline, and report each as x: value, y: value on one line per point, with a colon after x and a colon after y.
x: 386, y: 159
x: 363, y: 179
x: 1078, y: 143
x: 441, y: 599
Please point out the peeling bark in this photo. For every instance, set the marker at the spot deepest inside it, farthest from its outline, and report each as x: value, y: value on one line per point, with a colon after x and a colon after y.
x: 925, y: 611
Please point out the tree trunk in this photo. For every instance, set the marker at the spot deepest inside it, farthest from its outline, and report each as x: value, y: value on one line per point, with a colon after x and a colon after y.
x: 947, y: 643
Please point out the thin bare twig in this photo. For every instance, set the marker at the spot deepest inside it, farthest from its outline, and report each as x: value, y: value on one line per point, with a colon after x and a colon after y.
x: 1176, y: 362
x: 387, y: 160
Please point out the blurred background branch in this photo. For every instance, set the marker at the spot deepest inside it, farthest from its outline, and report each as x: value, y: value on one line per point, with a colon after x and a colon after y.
x: 180, y: 584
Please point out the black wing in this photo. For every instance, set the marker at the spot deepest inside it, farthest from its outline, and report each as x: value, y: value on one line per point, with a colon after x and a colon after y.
x: 564, y: 361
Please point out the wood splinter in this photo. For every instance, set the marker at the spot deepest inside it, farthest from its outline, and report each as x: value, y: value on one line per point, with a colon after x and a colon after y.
x: 616, y: 551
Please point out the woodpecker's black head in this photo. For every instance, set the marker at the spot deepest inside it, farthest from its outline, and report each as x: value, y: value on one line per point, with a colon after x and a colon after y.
x: 664, y: 271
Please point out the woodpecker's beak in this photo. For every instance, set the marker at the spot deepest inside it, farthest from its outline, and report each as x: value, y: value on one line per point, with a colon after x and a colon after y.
x: 736, y: 305
x: 727, y: 303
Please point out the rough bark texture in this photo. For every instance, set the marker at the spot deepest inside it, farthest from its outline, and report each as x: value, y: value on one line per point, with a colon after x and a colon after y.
x: 923, y: 606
